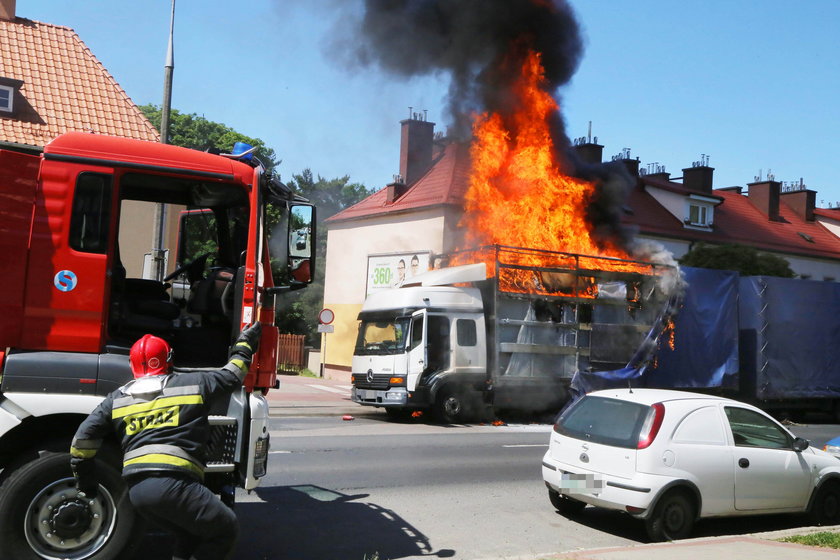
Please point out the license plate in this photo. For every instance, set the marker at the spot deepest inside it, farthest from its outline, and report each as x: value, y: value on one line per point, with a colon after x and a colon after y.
x: 581, y: 482
x: 365, y: 395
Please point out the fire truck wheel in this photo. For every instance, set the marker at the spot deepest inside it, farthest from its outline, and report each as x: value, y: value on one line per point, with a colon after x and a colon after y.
x: 42, y: 515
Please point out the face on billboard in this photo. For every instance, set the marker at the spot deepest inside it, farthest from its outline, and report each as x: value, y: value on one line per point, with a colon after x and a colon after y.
x: 392, y: 271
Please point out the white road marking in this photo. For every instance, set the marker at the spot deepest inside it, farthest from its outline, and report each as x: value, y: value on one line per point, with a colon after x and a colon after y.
x: 338, y: 390
x: 527, y: 445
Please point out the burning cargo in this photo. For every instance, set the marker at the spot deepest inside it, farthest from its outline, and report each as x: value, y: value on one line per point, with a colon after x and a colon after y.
x: 506, y: 331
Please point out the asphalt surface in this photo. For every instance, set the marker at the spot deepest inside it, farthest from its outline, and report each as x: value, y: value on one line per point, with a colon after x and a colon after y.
x: 303, y: 396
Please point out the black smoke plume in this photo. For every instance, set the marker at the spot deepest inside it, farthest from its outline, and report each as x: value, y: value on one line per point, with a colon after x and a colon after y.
x: 475, y: 42
x: 481, y: 45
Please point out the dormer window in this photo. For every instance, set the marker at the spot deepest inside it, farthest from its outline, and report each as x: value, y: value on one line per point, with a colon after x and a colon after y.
x: 697, y: 215
x: 7, y: 96
x: 8, y: 89
x: 699, y: 212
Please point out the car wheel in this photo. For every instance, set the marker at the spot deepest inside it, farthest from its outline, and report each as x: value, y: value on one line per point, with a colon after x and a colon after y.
x: 826, y: 507
x: 566, y: 506
x: 42, y: 515
x: 672, y: 518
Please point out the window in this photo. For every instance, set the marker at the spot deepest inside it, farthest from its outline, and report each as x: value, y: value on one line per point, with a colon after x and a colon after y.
x: 466, y: 332
x: 697, y: 215
x: 751, y: 429
x: 91, y: 213
x: 606, y: 421
x: 381, y: 336
x: 416, y: 331
x: 7, y: 95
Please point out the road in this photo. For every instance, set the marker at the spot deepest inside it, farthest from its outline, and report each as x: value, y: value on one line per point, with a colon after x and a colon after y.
x: 351, y: 490
x: 370, y: 488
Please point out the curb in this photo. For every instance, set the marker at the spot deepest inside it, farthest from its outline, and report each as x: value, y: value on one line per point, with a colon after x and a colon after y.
x: 770, y: 536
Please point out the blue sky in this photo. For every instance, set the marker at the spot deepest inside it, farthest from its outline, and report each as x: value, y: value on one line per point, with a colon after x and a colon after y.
x: 755, y: 85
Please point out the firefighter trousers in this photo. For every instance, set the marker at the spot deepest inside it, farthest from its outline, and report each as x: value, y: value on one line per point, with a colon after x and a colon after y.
x: 205, y: 528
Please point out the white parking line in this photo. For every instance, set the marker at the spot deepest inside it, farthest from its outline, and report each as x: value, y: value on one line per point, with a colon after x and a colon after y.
x: 338, y: 390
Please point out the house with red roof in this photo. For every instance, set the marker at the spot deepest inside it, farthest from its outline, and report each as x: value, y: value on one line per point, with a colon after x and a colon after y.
x: 51, y: 83
x: 399, y: 230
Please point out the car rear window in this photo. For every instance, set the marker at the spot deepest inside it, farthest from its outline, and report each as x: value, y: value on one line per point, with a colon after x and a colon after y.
x: 603, y: 420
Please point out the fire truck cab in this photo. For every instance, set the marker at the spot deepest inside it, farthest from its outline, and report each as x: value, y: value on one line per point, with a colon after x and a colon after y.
x: 74, y: 300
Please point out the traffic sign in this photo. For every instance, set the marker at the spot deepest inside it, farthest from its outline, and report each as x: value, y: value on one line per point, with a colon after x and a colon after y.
x: 326, y: 316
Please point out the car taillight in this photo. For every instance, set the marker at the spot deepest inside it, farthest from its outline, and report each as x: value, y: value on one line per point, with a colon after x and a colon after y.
x: 651, y: 426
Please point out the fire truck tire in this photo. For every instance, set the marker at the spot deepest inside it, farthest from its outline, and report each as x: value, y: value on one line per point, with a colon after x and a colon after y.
x: 43, y: 518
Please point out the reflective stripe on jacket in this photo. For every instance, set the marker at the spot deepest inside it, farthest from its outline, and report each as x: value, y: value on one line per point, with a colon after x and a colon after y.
x: 160, y: 421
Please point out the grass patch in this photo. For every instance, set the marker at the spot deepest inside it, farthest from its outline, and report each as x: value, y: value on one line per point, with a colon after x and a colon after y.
x: 825, y: 539
x: 294, y: 370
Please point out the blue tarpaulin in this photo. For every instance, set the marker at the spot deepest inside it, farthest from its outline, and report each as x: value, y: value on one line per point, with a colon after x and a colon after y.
x: 790, y: 336
x: 705, y: 351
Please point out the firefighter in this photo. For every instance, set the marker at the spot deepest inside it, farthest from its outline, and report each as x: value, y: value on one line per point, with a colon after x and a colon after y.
x: 161, y: 420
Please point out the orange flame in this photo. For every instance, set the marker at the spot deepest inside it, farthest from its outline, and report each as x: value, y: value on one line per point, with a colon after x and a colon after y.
x: 519, y: 194
x: 670, y: 333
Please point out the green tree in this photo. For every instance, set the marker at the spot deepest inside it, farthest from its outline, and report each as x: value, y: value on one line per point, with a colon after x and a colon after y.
x: 196, y: 132
x: 329, y: 197
x: 747, y: 261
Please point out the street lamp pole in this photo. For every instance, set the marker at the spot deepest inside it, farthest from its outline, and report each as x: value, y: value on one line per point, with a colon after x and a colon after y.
x: 158, y: 253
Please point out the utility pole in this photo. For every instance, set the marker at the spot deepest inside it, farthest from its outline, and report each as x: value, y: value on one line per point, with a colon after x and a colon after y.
x: 158, y: 253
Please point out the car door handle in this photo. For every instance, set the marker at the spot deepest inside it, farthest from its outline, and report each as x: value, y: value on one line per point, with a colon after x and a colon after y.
x: 743, y: 463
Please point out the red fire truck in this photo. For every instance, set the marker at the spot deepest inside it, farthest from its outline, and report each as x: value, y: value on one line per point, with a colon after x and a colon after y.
x: 72, y: 304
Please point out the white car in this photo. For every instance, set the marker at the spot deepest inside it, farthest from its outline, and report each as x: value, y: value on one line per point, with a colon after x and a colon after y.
x: 671, y: 457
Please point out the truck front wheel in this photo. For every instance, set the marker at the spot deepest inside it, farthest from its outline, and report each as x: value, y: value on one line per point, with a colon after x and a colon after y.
x: 42, y: 516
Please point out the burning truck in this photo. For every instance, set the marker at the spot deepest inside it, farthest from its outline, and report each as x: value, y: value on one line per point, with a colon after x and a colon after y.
x: 507, y: 331
x: 545, y: 281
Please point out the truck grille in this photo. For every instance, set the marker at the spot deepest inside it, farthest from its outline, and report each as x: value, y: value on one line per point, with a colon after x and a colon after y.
x: 379, y: 381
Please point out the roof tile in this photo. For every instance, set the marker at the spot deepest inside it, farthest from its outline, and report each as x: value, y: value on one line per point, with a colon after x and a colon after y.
x: 56, y: 66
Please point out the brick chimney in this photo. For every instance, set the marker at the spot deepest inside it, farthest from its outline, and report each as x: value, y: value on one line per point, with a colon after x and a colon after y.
x: 632, y: 166
x: 802, y: 202
x: 416, y: 147
x: 7, y: 9
x: 394, y: 190
x: 659, y: 175
x: 589, y: 152
x: 698, y: 178
x: 765, y: 196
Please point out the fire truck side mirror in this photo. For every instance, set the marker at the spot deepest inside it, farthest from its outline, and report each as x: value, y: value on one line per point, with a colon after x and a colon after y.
x: 301, y: 243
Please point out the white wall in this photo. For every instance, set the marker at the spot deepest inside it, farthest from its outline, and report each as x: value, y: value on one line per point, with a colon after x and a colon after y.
x: 672, y: 202
x: 348, y: 247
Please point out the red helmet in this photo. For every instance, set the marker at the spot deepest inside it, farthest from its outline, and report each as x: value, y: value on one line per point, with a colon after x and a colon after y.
x: 150, y: 356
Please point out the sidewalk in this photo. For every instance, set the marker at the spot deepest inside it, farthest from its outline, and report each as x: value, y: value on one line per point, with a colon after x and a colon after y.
x: 758, y: 546
x: 312, y: 396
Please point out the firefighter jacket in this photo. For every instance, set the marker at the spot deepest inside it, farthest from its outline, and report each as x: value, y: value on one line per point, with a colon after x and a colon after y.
x: 160, y: 420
